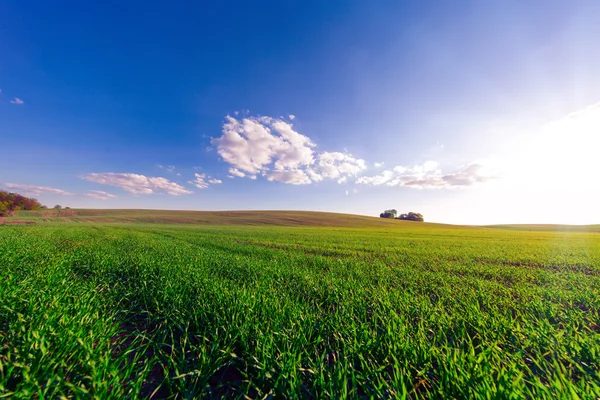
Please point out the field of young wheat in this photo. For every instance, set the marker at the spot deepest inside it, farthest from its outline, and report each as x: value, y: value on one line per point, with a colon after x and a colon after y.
x: 396, y: 311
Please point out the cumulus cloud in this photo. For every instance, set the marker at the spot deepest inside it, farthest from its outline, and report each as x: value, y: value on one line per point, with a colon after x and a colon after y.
x: 429, y: 176
x: 380, y: 179
x: 294, y: 177
x: 252, y: 144
x: 202, y: 181
x: 272, y: 148
x: 236, y: 172
x: 137, y: 184
x: 36, y: 190
x: 336, y: 165
x: 99, y: 194
x: 17, y: 100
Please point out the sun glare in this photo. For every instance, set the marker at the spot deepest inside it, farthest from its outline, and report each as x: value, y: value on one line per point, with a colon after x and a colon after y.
x: 563, y: 155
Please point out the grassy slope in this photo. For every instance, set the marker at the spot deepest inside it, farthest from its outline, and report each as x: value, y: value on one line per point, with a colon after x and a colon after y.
x: 260, y: 217
x: 266, y: 217
x: 397, y: 308
x: 548, y: 227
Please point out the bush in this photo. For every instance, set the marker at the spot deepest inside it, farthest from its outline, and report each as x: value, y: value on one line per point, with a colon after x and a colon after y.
x: 412, y: 216
x: 388, y: 214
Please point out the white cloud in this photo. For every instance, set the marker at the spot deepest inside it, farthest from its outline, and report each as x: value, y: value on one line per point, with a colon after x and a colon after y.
x: 203, y: 181
x: 17, y: 100
x: 137, y: 184
x: 252, y: 144
x: 336, y: 165
x: 467, y: 176
x: 380, y: 179
x: 428, y: 176
x: 292, y: 117
x: 378, y: 164
x: 99, y: 194
x: 36, y: 190
x: 236, y: 172
x: 272, y: 148
x: 169, y: 168
x: 41, y: 190
x: 294, y: 177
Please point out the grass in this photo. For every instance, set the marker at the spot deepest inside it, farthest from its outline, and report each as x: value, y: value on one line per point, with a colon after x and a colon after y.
x: 549, y: 227
x: 260, y: 218
x: 380, y: 309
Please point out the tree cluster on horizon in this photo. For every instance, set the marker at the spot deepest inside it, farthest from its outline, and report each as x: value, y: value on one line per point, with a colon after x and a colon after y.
x: 12, y: 202
x: 393, y: 214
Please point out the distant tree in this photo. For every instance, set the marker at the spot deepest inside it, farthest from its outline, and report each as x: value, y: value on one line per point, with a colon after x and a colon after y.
x: 412, y: 216
x: 388, y: 214
x: 67, y: 208
x: 12, y: 202
x: 4, y: 208
x: 57, y: 207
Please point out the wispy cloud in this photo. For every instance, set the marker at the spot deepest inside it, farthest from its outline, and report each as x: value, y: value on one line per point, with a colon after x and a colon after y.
x: 36, y: 190
x: 17, y: 100
x: 42, y: 190
x: 99, y: 194
x: 202, y: 181
x: 169, y: 168
x: 429, y: 176
x: 137, y: 184
x: 378, y: 164
x: 272, y: 148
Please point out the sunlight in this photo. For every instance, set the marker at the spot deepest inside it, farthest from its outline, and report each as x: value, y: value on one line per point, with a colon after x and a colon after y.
x: 548, y: 175
x: 561, y: 156
x: 568, y: 148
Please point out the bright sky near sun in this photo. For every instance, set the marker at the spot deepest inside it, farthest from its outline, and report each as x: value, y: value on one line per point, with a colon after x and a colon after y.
x: 469, y: 112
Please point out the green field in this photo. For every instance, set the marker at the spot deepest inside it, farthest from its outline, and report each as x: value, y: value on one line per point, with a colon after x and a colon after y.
x: 301, y: 305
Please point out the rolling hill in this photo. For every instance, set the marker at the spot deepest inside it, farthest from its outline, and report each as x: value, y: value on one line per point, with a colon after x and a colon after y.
x: 268, y: 217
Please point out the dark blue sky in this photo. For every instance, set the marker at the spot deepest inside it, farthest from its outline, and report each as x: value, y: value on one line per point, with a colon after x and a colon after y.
x: 135, y: 87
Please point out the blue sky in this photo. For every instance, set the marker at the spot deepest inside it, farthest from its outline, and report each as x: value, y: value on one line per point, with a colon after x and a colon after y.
x: 467, y: 111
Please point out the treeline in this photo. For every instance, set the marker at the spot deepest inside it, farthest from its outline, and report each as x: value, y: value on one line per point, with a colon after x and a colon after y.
x: 11, y: 202
x: 411, y: 216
